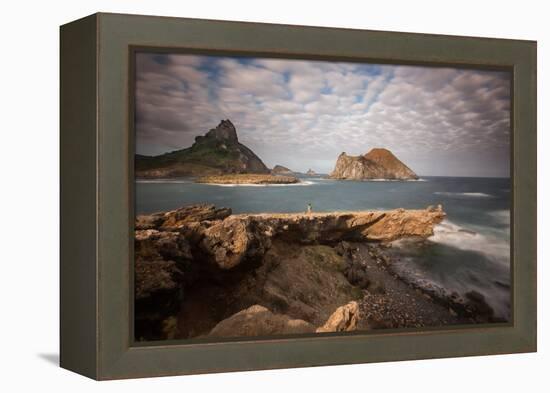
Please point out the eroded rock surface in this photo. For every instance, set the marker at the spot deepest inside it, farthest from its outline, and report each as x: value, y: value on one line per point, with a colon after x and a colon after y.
x: 259, y: 321
x: 376, y: 164
x: 344, y: 319
x: 199, y: 265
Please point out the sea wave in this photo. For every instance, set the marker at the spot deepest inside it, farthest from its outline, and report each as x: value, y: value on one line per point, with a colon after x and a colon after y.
x: 464, y: 194
x: 501, y: 216
x: 452, y: 269
x: 395, y: 180
x: 451, y: 234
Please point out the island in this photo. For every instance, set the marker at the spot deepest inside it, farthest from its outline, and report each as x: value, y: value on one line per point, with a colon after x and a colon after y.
x: 281, y: 170
x: 247, y: 178
x: 377, y: 164
x: 217, y: 152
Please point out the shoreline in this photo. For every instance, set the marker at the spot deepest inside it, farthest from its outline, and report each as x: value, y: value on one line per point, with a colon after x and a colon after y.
x: 212, y: 270
x: 247, y: 179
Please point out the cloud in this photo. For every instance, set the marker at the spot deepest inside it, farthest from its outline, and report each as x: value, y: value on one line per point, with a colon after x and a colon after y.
x: 302, y: 114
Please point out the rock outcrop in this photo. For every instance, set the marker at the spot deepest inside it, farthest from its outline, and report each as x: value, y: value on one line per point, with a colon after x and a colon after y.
x: 202, y: 264
x: 376, y: 164
x: 344, y: 319
x: 259, y: 321
x: 281, y: 170
x: 160, y: 260
x: 248, y: 178
x: 311, y: 172
x: 217, y: 152
x: 229, y: 241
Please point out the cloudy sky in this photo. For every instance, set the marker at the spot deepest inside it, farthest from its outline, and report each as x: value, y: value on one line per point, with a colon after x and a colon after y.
x: 302, y: 114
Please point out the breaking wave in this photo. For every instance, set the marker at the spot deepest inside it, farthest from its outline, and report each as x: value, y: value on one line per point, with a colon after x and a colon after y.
x: 459, y: 260
x: 464, y: 194
x: 395, y: 180
x: 451, y: 234
x: 501, y: 216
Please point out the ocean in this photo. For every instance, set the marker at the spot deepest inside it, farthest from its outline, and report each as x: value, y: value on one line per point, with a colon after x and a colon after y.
x: 470, y: 249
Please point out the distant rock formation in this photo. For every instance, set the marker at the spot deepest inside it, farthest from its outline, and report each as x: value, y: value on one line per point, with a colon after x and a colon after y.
x: 376, y: 164
x: 248, y: 178
x: 217, y: 152
x: 281, y: 170
x: 311, y: 172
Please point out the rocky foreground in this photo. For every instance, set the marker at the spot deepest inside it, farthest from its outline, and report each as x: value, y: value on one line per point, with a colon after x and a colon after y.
x: 202, y: 271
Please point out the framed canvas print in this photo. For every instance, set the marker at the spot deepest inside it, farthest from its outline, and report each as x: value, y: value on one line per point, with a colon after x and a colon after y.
x: 240, y: 196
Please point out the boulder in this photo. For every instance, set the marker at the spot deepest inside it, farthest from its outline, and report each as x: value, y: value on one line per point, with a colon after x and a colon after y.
x: 344, y: 319
x: 259, y: 321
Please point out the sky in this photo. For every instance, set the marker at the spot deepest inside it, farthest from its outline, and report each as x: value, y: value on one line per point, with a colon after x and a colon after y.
x: 302, y: 114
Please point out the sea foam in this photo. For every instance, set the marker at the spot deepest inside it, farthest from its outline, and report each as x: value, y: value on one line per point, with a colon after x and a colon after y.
x: 464, y: 194
x: 451, y: 234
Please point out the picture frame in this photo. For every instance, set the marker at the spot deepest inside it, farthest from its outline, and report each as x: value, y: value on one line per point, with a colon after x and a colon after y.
x: 97, y: 173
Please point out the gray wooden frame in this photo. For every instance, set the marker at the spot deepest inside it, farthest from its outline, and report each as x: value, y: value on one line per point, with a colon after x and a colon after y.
x: 97, y: 196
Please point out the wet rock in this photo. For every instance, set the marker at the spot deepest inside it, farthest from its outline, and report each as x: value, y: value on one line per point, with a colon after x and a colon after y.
x: 476, y: 302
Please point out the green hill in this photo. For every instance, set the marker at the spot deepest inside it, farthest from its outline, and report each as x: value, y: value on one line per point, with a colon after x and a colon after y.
x: 217, y: 152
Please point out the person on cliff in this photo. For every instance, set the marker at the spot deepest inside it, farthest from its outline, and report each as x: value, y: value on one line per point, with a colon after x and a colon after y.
x: 309, y: 209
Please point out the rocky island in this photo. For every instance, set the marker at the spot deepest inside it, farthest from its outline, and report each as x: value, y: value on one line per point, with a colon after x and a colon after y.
x: 201, y: 271
x: 247, y: 178
x: 281, y: 170
x: 377, y: 164
x: 217, y: 152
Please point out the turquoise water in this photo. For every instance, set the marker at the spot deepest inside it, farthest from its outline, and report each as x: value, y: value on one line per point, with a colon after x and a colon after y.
x: 469, y: 251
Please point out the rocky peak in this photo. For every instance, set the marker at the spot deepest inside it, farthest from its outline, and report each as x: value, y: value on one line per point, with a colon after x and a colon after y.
x: 379, y: 154
x: 225, y: 131
x: 279, y: 169
x: 217, y: 152
x: 379, y: 163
